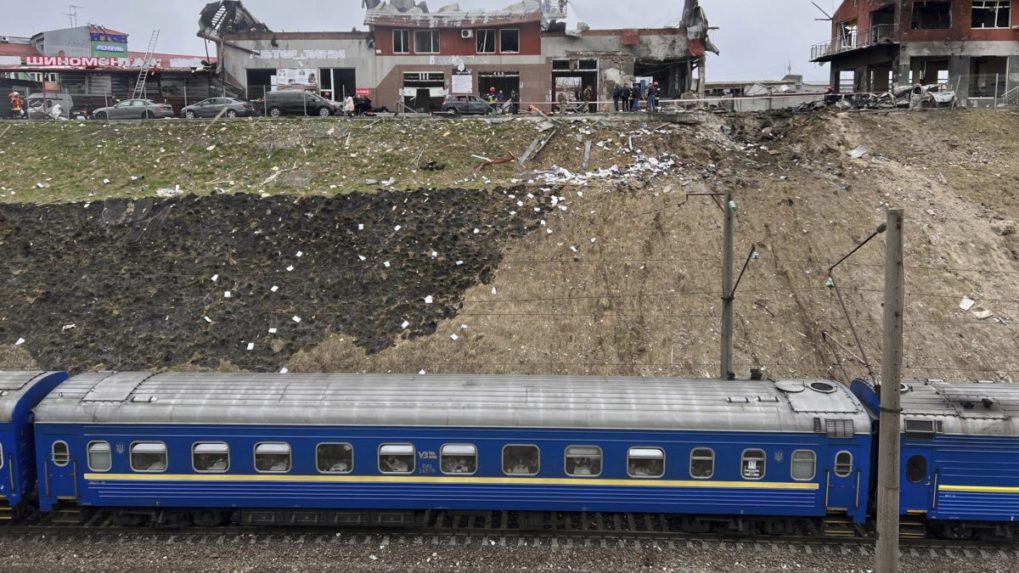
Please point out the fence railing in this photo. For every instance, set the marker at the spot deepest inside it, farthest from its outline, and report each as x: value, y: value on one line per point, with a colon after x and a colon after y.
x: 877, y: 34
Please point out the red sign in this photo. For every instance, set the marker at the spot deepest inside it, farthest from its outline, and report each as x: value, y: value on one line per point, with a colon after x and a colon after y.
x: 362, y: 92
x: 61, y: 61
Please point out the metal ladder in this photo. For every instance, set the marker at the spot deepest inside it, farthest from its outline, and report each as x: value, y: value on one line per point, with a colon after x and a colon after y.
x: 143, y: 74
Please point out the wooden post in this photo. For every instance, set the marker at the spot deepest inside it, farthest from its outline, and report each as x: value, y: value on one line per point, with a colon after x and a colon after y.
x: 887, y: 553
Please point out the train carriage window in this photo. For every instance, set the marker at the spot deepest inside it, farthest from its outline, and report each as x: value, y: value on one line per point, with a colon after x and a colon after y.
x: 843, y: 464
x: 100, y: 458
x: 334, y: 458
x: 396, y: 459
x: 916, y: 469
x: 210, y: 457
x: 645, y: 462
x: 753, y: 464
x: 702, y: 463
x: 148, y: 457
x: 458, y: 459
x: 804, y: 465
x: 583, y: 461
x: 521, y: 460
x: 273, y: 457
x: 60, y: 453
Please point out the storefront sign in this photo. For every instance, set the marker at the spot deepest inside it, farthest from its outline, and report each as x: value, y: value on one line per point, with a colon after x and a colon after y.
x: 97, y: 62
x: 362, y: 92
x: 105, y: 43
x: 109, y: 48
x: 297, y: 77
x: 463, y: 83
x: 300, y: 55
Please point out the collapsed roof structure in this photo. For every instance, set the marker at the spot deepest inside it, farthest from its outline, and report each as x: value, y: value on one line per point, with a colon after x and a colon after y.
x: 227, y: 16
x: 407, y: 13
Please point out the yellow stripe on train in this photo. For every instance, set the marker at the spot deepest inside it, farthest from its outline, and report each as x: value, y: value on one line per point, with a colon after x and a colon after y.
x: 978, y: 488
x: 447, y: 480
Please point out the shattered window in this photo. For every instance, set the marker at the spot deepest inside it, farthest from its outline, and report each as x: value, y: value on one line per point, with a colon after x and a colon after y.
x: 486, y: 41
x: 509, y: 41
x: 426, y: 41
x: 932, y: 15
x: 401, y: 41
x: 992, y: 13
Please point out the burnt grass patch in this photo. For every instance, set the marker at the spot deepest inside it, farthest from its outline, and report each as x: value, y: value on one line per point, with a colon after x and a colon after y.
x: 239, y: 281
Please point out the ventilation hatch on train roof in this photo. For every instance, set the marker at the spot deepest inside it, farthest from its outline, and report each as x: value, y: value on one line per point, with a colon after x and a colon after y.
x: 816, y: 396
x: 13, y: 381
x: 970, y: 402
x: 115, y: 387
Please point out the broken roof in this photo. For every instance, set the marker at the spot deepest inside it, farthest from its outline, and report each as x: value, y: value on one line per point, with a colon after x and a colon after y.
x: 407, y: 13
x: 227, y: 16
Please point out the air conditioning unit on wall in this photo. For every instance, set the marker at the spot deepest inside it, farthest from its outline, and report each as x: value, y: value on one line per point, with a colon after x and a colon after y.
x: 466, y: 34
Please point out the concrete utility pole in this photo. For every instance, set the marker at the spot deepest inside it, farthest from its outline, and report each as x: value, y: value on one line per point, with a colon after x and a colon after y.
x: 727, y: 292
x: 887, y: 553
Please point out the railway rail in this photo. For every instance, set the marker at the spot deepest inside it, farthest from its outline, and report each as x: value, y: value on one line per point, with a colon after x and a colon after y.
x: 635, y: 531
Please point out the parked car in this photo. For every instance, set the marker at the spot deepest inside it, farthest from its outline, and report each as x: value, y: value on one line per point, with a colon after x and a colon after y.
x: 214, y: 105
x: 40, y: 105
x: 134, y: 109
x: 280, y: 103
x: 465, y: 104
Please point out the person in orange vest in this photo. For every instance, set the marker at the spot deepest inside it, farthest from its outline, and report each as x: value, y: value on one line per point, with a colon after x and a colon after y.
x: 16, y: 104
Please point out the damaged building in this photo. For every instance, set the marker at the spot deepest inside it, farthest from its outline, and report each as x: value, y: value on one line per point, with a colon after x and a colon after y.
x: 969, y: 45
x: 412, y: 56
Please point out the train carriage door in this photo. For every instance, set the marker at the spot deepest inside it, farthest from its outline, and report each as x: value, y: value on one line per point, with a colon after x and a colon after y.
x: 843, y: 482
x: 61, y: 478
x: 917, y: 477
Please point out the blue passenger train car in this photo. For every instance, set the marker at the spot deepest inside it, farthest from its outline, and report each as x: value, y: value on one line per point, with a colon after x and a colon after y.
x: 205, y: 444
x: 960, y: 454
x: 19, y: 393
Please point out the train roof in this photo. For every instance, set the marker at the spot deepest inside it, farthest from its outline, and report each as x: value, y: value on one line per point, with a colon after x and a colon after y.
x: 455, y: 400
x: 972, y: 408
x: 13, y: 387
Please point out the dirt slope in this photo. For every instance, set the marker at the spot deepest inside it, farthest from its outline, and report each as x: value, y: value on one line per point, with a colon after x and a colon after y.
x: 620, y: 276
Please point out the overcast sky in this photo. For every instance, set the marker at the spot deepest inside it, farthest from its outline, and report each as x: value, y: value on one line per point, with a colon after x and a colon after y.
x: 759, y: 39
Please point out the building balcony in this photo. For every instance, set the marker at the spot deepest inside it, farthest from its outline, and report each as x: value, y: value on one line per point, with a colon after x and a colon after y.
x: 846, y: 42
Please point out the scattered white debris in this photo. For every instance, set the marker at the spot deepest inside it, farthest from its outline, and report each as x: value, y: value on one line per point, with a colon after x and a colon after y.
x: 273, y: 330
x: 421, y: 372
x: 284, y: 371
x: 41, y: 185
x: 299, y: 254
x: 435, y: 254
x: 405, y: 324
x: 459, y: 263
x: 274, y: 288
x: 397, y: 228
x: 362, y: 257
x: 227, y: 294
x: 594, y: 240
x: 167, y: 192
x: 574, y: 249
x: 982, y: 314
x: 19, y: 342
x: 454, y: 337
x: 429, y: 299
x: 215, y: 278
x: 296, y: 318
x: 858, y: 153
x: 967, y: 303
x: 211, y: 147
x: 290, y: 268
x: 385, y: 264
x: 251, y: 346
x: 106, y: 181
x: 477, y: 231
x: 494, y: 292
x: 207, y: 319
x: 360, y: 226
x: 67, y: 327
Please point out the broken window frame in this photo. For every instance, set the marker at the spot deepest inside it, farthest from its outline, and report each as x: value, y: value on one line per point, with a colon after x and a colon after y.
x: 404, y: 37
x: 997, y: 11
x: 918, y: 5
x: 482, y: 38
x: 514, y: 32
x: 433, y: 41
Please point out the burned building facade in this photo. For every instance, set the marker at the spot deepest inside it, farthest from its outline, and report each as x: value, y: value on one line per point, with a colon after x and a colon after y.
x: 970, y: 45
x: 411, y: 57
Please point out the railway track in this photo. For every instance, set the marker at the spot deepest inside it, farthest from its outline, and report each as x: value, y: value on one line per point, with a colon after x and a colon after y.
x: 626, y: 531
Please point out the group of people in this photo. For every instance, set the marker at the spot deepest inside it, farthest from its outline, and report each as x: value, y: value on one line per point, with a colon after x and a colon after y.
x: 627, y: 98
x: 17, y: 104
x: 502, y: 103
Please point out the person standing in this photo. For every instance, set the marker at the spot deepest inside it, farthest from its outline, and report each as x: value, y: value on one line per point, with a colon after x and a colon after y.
x: 588, y: 96
x: 514, y: 102
x: 562, y: 101
x: 15, y: 99
x: 625, y: 97
x: 635, y: 97
x: 652, y: 98
x: 348, y: 106
x: 617, y: 94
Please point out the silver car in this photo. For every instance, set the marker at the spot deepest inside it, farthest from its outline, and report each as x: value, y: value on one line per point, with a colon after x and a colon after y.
x: 134, y: 109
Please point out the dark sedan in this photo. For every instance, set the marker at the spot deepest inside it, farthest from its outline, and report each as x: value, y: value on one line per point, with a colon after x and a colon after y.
x: 213, y: 106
